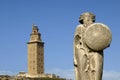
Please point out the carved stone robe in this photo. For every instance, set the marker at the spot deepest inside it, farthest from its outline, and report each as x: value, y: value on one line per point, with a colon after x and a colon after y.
x: 88, y: 64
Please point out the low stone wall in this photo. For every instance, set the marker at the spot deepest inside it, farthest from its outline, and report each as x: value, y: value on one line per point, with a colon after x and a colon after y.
x: 6, y: 77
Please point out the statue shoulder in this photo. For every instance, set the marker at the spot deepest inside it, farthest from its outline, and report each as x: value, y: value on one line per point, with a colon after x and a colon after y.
x: 78, y: 29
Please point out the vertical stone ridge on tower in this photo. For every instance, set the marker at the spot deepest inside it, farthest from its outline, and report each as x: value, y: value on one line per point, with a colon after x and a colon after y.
x: 35, y: 53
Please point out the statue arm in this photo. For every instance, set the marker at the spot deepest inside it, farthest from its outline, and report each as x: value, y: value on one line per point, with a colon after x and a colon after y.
x: 76, y: 44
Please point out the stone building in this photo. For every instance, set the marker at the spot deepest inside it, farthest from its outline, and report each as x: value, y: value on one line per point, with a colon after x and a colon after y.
x: 35, y: 53
x: 36, y: 57
x: 35, y: 61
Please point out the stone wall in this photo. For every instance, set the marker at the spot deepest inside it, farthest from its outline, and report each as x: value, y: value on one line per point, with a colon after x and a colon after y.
x: 6, y: 77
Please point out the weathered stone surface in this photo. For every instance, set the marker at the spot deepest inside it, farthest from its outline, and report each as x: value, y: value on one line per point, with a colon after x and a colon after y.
x: 35, y: 53
x: 89, y: 41
x: 98, y: 36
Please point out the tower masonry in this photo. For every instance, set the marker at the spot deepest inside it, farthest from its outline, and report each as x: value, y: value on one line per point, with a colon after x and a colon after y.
x: 35, y: 53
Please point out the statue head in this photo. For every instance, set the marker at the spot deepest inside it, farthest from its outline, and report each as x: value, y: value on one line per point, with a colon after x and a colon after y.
x: 87, y: 18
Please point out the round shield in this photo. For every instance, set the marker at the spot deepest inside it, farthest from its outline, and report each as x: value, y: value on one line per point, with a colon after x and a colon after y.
x: 98, y: 36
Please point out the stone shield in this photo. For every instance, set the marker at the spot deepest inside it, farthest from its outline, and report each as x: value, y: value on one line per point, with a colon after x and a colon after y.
x: 97, y: 36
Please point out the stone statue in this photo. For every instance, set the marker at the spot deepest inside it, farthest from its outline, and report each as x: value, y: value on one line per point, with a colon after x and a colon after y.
x: 90, y: 40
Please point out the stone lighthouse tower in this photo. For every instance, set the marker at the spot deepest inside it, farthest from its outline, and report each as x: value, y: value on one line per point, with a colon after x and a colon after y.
x: 35, y: 53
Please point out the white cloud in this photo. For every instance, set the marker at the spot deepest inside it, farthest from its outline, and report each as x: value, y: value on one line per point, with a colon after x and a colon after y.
x: 6, y: 73
x: 111, y: 75
x: 69, y: 74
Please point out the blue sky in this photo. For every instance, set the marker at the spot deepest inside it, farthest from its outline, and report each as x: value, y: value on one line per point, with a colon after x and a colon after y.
x: 57, y: 20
